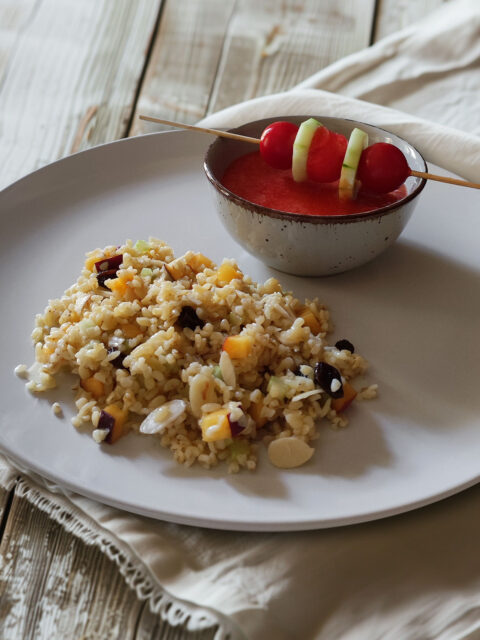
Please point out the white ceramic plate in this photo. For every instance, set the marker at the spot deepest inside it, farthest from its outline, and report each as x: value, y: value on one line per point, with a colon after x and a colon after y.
x: 413, y: 313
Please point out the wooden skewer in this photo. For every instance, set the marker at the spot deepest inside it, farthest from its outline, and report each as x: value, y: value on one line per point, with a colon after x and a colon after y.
x: 215, y: 132
x: 433, y: 176
x: 236, y: 136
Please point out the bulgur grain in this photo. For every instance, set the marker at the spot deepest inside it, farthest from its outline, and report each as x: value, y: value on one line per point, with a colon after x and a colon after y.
x: 169, y: 327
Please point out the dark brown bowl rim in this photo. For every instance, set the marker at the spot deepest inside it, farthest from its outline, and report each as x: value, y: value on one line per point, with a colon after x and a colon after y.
x: 343, y: 218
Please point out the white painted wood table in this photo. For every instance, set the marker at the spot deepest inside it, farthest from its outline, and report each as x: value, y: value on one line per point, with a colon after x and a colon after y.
x: 74, y: 74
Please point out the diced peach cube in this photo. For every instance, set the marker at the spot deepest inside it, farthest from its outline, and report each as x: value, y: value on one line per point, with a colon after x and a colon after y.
x: 119, y: 285
x: 215, y: 426
x: 238, y: 346
x: 119, y: 415
x: 198, y: 262
x: 349, y: 395
x: 227, y: 272
x: 93, y: 386
x: 310, y: 321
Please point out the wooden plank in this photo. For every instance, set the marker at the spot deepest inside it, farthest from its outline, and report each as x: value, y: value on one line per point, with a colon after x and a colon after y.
x: 184, y: 62
x: 272, y: 46
x: 68, y: 76
x: 213, y: 54
x: 52, y: 585
x: 393, y: 15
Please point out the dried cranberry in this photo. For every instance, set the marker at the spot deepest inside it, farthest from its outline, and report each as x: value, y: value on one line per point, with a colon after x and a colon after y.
x: 106, y: 275
x: 109, y: 263
x: 345, y: 344
x: 107, y: 269
x: 106, y: 421
x: 188, y: 319
x: 235, y: 427
x: 325, y: 375
x: 118, y: 361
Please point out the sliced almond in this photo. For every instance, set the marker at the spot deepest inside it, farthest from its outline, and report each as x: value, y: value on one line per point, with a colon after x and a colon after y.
x: 81, y: 302
x: 287, y: 453
x: 163, y: 416
x: 227, y: 370
x: 306, y: 394
x: 201, y: 392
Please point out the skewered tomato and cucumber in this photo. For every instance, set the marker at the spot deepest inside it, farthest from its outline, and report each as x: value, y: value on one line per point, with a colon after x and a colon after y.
x: 338, y: 177
x: 311, y: 170
x: 315, y: 153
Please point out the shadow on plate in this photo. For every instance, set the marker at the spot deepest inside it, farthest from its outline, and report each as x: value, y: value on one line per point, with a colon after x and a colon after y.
x: 353, y: 451
x: 414, y: 315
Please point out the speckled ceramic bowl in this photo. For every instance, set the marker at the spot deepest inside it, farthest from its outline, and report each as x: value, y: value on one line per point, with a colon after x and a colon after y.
x: 302, y: 244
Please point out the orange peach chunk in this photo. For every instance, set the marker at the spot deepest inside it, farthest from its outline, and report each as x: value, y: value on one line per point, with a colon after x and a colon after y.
x: 311, y: 321
x: 238, y: 346
x: 226, y: 273
x: 215, y: 426
x: 119, y: 285
x: 93, y: 386
x: 119, y: 415
x: 198, y: 262
x: 349, y: 395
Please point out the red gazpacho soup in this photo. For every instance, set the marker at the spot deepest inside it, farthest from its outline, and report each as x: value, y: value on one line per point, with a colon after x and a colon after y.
x: 251, y: 178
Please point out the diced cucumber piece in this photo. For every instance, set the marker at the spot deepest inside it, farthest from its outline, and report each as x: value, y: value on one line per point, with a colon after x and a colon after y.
x: 141, y: 246
x: 217, y: 372
x: 357, y: 142
x: 146, y: 272
x: 277, y: 388
x: 301, y: 146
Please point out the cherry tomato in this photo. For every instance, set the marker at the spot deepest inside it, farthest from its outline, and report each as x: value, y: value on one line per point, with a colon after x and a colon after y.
x: 382, y: 168
x: 276, y: 144
x: 325, y: 156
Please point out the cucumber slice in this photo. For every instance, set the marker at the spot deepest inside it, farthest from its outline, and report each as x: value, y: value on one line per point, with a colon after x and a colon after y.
x: 357, y: 142
x: 301, y: 146
x: 277, y: 388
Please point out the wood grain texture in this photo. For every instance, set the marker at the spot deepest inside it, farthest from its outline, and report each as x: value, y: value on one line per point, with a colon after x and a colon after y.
x: 67, y: 66
x: 212, y: 54
x: 53, y: 586
x: 393, y: 15
x: 272, y: 46
x: 184, y: 62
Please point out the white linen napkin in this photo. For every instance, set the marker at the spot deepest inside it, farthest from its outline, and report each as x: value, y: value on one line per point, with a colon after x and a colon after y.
x: 409, y: 577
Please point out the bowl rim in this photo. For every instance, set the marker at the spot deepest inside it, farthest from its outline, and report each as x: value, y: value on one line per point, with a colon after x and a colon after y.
x: 343, y: 218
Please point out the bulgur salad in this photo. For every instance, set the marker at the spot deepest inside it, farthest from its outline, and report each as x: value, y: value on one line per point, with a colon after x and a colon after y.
x: 196, y: 355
